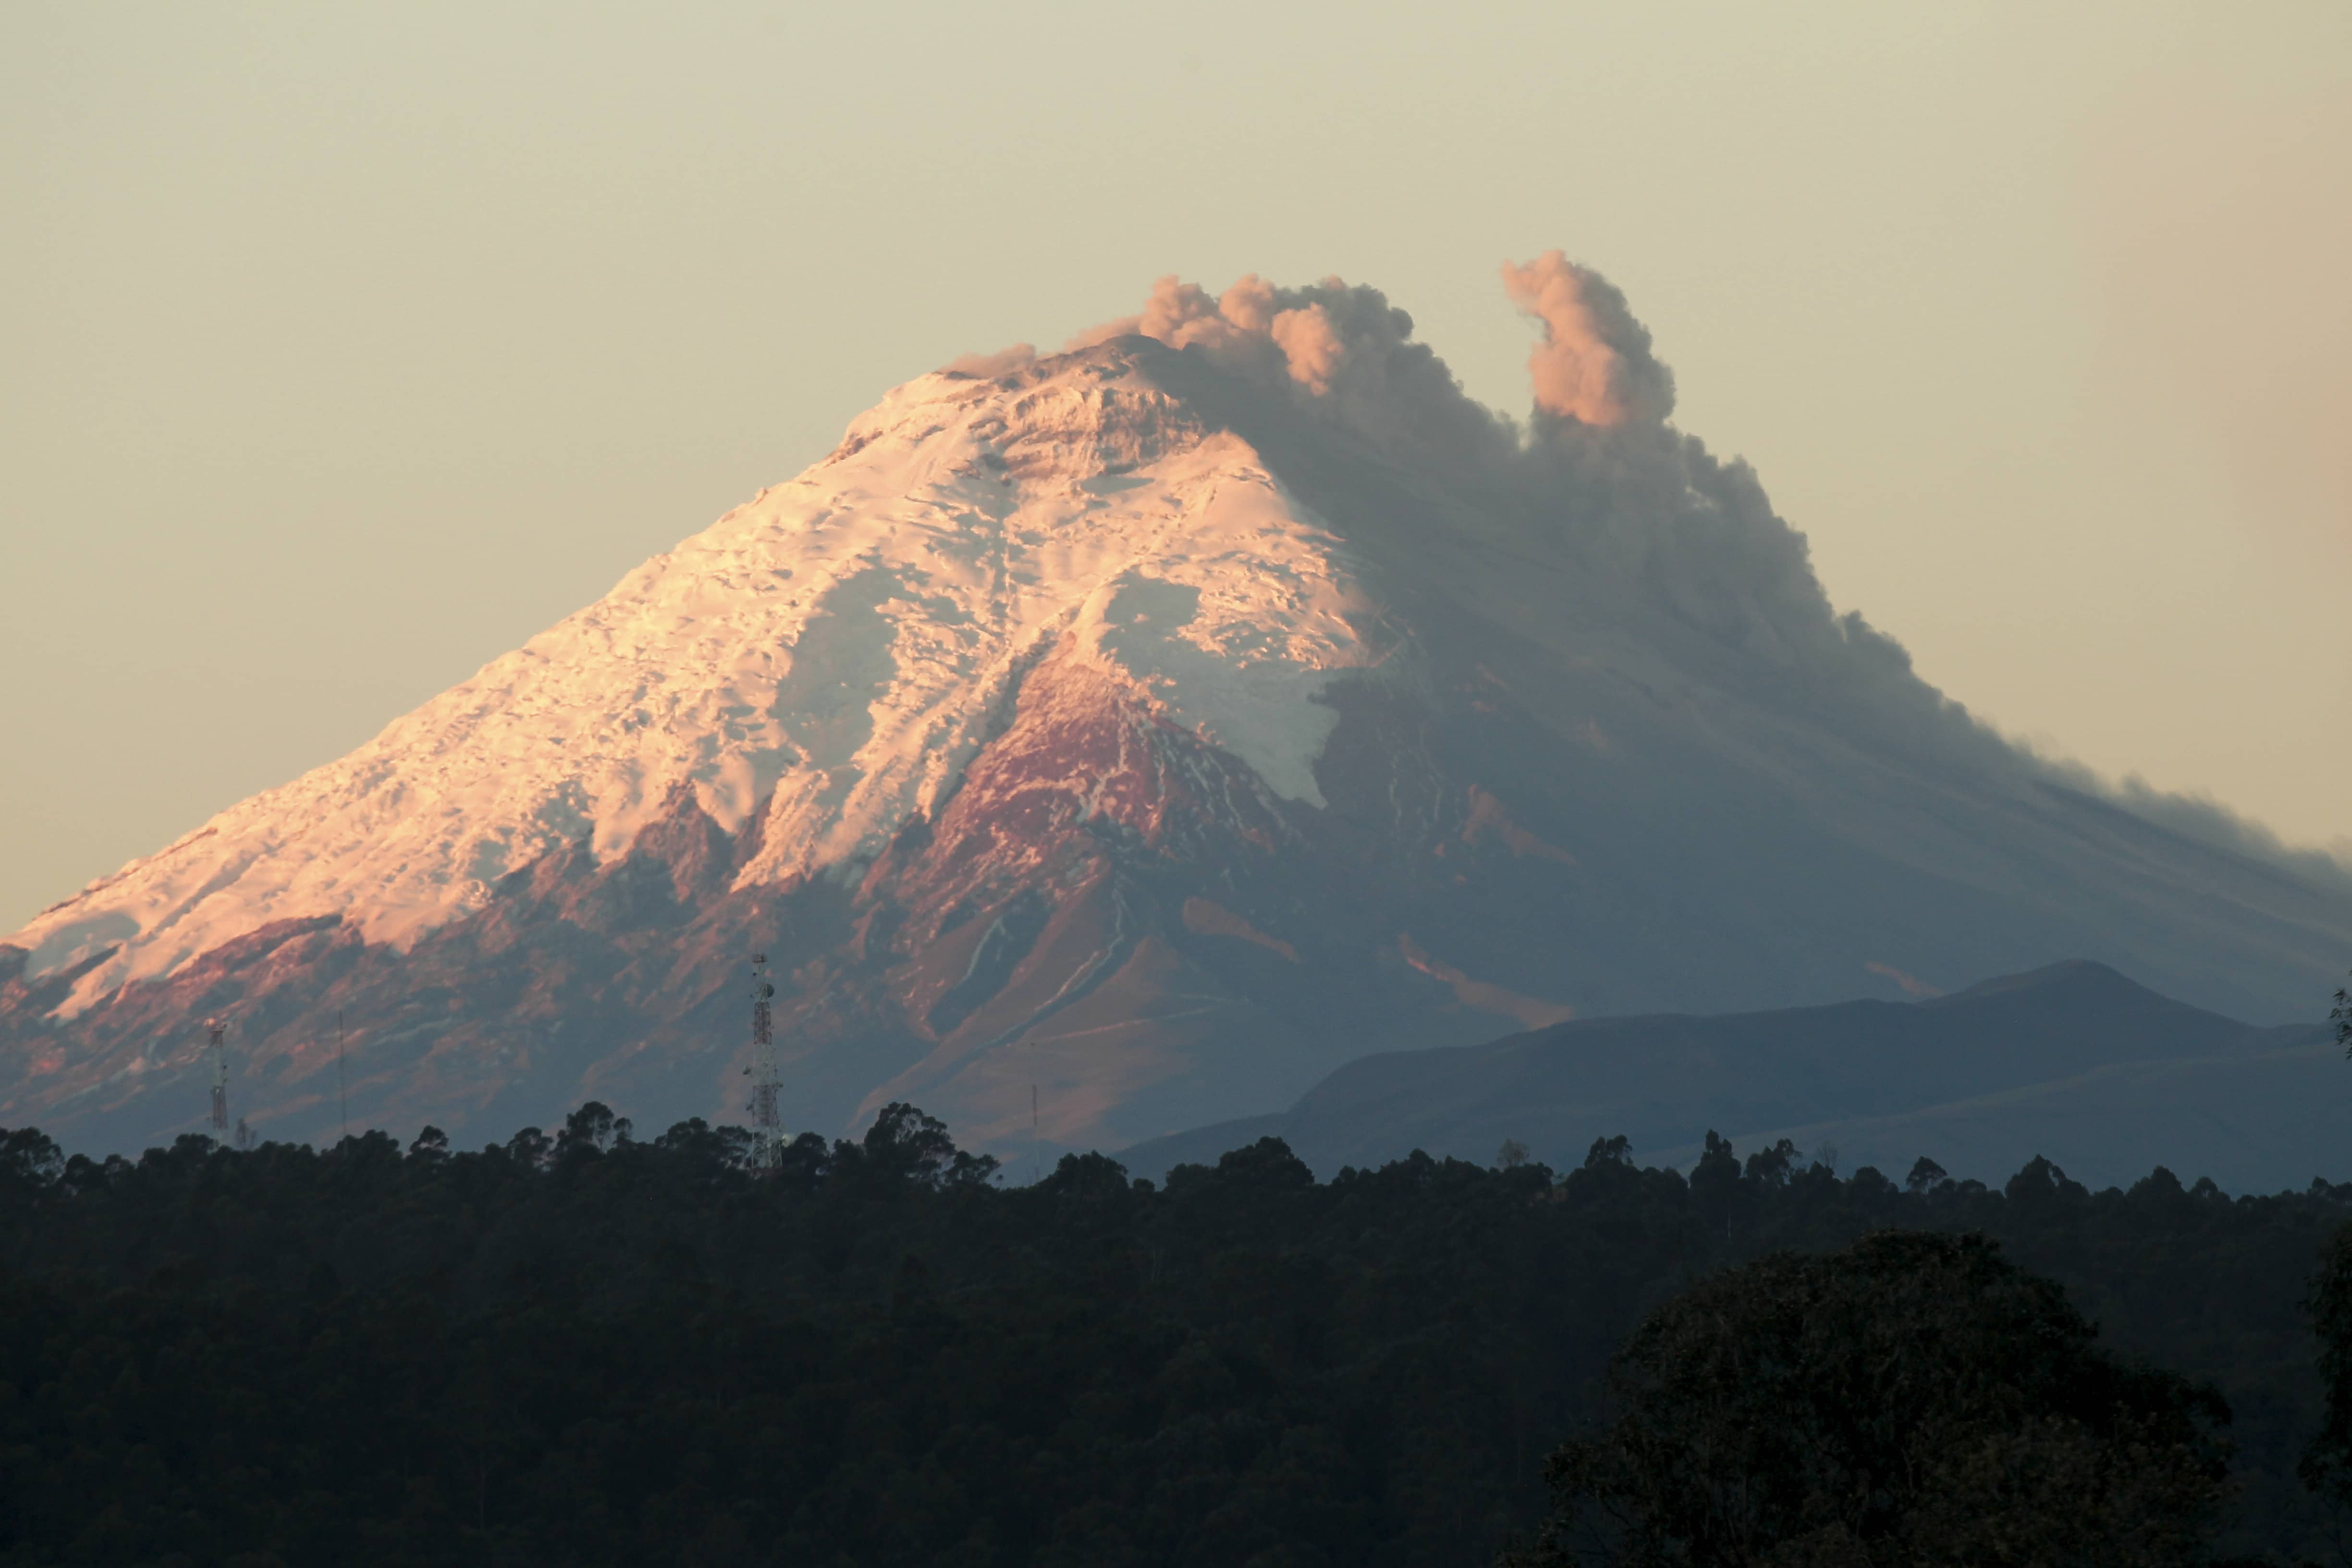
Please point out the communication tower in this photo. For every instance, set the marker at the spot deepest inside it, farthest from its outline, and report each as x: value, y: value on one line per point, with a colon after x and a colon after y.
x: 767, y: 1125
x: 220, y: 1129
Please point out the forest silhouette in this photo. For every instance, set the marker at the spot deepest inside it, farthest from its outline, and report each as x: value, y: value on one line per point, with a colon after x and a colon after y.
x: 590, y: 1347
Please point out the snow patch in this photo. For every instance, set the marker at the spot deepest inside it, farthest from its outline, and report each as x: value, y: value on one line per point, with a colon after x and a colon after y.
x: 841, y: 640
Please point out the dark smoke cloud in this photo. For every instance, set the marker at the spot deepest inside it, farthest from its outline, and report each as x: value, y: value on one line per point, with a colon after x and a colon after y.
x: 1651, y: 510
x: 1595, y: 461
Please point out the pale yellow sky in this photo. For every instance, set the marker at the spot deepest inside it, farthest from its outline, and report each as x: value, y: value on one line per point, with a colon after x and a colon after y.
x: 347, y: 346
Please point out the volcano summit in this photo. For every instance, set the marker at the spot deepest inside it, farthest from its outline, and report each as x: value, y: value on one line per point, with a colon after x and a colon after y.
x: 1146, y: 729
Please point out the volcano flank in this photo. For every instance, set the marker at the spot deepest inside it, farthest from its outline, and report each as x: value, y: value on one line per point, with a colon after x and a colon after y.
x: 1140, y: 732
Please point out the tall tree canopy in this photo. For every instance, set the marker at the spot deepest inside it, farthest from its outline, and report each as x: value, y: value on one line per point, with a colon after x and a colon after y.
x: 1912, y: 1399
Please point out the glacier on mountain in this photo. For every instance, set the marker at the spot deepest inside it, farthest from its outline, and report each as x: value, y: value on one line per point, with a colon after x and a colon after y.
x: 832, y: 651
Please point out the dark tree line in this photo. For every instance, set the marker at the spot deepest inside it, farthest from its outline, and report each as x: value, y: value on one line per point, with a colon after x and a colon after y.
x: 588, y: 1348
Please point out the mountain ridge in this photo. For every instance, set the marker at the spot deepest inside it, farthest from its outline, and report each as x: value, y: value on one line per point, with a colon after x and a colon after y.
x: 2247, y: 1103
x: 1114, y: 741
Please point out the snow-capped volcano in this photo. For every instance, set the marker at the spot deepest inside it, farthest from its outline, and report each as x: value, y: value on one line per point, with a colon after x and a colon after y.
x: 829, y: 655
x: 1144, y: 728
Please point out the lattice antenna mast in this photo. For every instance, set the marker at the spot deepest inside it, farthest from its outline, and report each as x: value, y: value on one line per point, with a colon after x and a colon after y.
x: 219, y: 1050
x: 767, y: 1123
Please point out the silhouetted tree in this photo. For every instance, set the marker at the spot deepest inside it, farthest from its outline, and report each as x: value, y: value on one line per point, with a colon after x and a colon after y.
x: 2326, y: 1465
x: 1715, y: 1184
x: 1915, y: 1399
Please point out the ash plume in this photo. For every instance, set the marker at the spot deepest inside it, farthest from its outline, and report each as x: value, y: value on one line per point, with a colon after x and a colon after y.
x: 1598, y: 459
x: 1594, y: 363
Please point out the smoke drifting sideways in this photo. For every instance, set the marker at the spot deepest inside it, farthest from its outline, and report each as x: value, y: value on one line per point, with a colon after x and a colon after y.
x: 1595, y: 461
x: 1650, y: 511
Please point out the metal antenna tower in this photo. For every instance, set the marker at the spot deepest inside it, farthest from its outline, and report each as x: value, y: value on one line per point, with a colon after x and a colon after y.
x: 767, y: 1125
x: 343, y: 1084
x: 220, y: 1131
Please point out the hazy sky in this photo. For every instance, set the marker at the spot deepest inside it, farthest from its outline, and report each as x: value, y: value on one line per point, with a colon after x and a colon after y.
x: 341, y: 348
